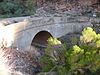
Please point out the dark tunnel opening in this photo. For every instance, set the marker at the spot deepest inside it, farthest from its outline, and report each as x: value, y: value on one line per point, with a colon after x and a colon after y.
x: 40, y: 39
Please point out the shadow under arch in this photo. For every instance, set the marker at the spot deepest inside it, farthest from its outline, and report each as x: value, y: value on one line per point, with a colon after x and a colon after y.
x: 41, y: 38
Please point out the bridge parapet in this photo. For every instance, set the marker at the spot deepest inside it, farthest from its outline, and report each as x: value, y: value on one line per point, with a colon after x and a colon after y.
x: 44, y: 20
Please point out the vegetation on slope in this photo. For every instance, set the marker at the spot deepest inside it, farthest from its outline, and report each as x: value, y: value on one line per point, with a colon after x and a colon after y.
x: 80, y: 59
x: 13, y: 8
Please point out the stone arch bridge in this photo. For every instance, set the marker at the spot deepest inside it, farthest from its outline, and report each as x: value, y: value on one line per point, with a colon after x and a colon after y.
x: 37, y: 30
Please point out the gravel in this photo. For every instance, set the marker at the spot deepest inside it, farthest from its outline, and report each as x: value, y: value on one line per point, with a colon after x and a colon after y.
x: 20, y: 62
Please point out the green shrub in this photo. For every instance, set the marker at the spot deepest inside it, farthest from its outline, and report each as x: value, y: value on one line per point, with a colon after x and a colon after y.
x: 10, y: 8
x: 78, y: 60
x: 46, y: 63
x: 30, y: 7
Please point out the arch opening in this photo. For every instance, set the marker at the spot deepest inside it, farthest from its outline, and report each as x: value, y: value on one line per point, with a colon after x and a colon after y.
x: 41, y: 38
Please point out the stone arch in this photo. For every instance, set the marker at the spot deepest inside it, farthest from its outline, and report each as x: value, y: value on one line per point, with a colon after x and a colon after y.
x: 40, y: 39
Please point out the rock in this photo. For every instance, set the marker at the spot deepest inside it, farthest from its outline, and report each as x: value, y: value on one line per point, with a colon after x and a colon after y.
x: 70, y: 39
